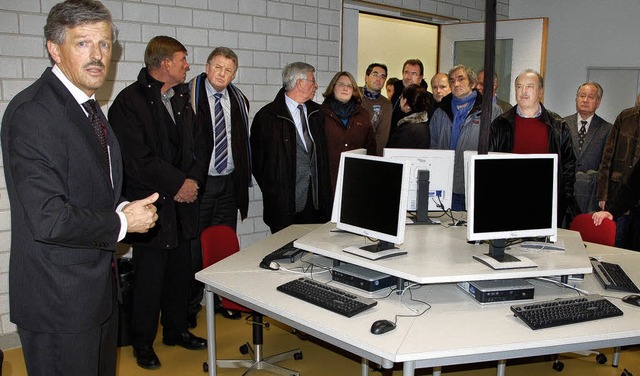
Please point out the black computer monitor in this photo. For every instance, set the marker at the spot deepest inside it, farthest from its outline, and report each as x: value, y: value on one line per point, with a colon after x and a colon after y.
x: 511, y: 196
x: 371, y: 198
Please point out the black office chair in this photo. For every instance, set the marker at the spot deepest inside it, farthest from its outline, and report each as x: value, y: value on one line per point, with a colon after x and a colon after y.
x: 219, y: 242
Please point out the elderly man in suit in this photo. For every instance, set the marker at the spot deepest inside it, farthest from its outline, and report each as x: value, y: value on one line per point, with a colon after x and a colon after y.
x: 588, y: 134
x: 64, y: 174
x: 289, y: 156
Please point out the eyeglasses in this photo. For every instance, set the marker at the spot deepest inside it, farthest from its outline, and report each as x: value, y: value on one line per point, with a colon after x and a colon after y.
x: 341, y: 84
x: 313, y: 80
x: 220, y: 68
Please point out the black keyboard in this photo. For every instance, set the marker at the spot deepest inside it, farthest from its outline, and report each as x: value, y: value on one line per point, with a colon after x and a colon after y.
x: 331, y: 298
x: 558, y: 312
x: 286, y: 253
x: 613, y: 277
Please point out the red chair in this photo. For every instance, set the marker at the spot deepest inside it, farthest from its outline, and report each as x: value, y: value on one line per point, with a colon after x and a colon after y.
x: 219, y: 242
x: 604, y: 234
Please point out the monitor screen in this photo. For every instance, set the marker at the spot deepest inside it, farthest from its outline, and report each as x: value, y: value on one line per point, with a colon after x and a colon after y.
x: 512, y: 196
x: 371, y: 197
x: 439, y: 164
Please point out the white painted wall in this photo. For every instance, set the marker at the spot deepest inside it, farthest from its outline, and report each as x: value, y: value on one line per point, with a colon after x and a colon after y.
x: 266, y: 35
x: 583, y: 33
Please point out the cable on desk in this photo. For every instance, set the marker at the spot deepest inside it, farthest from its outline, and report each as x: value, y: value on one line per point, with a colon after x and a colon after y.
x: 418, y: 313
x: 562, y: 284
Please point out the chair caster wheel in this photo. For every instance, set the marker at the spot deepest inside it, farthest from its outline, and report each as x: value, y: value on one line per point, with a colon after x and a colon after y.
x: 558, y: 366
x: 626, y: 373
x: 601, y: 358
x: 244, y: 349
x: 297, y: 356
x: 205, y: 367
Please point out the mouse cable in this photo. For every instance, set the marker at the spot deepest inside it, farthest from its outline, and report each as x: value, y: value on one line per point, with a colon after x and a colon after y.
x: 418, y: 313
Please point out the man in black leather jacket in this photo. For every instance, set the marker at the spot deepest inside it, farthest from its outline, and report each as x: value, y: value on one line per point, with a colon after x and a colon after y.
x: 530, y: 128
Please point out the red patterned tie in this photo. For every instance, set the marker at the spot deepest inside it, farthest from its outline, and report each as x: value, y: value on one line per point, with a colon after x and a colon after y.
x: 98, y: 127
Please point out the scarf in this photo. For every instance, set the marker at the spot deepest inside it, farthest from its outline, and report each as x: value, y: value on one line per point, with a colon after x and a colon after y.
x: 342, y: 110
x: 370, y: 95
x: 461, y: 109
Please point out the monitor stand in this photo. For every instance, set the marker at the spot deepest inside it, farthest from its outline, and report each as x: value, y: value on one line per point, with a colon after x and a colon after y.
x: 498, y: 259
x: 422, y: 201
x: 377, y: 251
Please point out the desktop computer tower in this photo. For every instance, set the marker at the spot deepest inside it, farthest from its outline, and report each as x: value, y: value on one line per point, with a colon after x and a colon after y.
x: 362, y: 278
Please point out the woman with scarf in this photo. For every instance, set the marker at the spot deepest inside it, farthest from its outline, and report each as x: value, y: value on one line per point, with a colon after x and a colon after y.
x: 412, y: 131
x: 346, y: 123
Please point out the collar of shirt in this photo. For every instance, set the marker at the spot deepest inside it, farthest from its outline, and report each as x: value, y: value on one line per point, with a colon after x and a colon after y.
x: 586, y: 126
x: 77, y: 94
x: 295, y: 113
x: 293, y: 109
x: 538, y: 113
x: 211, y: 90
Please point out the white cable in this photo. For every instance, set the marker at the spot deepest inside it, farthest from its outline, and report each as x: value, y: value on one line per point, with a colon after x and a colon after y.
x: 564, y: 284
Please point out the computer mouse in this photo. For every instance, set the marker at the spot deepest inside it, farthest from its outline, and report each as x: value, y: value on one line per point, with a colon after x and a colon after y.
x: 270, y: 265
x: 632, y: 299
x: 382, y: 326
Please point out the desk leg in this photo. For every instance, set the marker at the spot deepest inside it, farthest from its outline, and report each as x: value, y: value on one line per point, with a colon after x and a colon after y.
x: 408, y: 368
x: 399, y: 285
x: 437, y: 371
x: 616, y: 357
x: 365, y: 367
x: 211, y: 331
x: 502, y: 366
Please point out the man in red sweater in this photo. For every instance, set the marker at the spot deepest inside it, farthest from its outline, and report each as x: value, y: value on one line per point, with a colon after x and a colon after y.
x: 530, y: 128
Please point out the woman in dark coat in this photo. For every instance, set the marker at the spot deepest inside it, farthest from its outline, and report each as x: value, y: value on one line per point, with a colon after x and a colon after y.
x: 412, y: 131
x: 346, y: 124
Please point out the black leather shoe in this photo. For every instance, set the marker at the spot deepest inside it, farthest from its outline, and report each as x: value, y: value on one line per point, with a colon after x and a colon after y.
x: 187, y: 340
x: 231, y: 315
x: 146, y: 357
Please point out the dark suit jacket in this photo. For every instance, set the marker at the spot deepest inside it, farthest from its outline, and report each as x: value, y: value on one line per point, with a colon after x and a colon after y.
x: 157, y: 162
x: 63, y: 220
x: 588, y: 159
x: 239, y: 143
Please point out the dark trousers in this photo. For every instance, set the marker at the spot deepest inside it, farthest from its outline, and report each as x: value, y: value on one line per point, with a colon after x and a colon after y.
x: 161, y: 288
x: 217, y: 206
x: 308, y: 215
x: 92, y: 352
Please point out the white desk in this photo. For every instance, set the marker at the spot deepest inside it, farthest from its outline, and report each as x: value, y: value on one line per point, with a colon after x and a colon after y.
x: 442, y: 255
x: 456, y: 330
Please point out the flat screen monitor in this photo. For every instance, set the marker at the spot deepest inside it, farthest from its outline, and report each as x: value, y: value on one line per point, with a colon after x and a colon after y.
x: 511, y: 196
x: 371, y: 198
x: 430, y: 179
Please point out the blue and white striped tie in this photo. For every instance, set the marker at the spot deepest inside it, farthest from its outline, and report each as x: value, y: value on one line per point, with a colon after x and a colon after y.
x: 220, y: 136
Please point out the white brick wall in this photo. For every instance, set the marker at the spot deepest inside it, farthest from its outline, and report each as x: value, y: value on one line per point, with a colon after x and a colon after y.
x: 292, y: 30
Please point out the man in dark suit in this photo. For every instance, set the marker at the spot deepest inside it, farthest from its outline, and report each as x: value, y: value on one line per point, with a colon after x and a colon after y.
x: 164, y: 150
x: 64, y: 175
x: 289, y: 156
x: 589, y: 134
x: 224, y: 112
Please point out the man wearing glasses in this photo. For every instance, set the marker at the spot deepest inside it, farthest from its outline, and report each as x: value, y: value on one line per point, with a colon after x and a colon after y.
x: 224, y: 110
x: 378, y: 107
x: 289, y: 153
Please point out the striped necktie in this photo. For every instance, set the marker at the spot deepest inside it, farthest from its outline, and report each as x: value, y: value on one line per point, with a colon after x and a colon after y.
x: 220, y: 146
